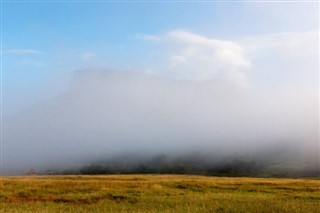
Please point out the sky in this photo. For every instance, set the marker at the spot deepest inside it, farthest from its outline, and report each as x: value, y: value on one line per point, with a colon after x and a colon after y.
x: 44, y: 42
x: 242, y: 73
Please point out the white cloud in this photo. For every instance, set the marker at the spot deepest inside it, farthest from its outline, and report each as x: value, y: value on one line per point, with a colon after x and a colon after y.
x: 195, y: 57
x: 289, y: 44
x: 273, y: 59
x: 227, y: 52
x: 24, y: 52
x: 177, y: 59
x: 284, y: 58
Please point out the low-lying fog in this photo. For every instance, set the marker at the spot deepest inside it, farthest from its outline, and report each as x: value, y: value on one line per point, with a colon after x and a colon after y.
x: 105, y: 114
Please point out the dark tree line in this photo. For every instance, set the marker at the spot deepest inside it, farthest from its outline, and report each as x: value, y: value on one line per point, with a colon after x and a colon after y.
x: 196, y: 163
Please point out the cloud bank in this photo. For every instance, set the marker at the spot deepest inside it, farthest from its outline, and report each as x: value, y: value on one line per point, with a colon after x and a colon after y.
x: 210, y: 97
x: 108, y: 113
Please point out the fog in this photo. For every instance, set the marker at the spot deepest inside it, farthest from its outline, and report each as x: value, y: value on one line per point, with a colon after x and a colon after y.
x: 104, y: 114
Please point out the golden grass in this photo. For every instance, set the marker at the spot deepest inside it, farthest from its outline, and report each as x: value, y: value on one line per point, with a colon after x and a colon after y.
x: 158, y: 193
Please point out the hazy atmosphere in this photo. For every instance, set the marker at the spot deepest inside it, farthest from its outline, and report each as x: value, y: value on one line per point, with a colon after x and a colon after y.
x: 143, y: 85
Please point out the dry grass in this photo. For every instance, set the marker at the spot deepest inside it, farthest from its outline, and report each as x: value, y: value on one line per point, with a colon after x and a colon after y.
x: 158, y: 193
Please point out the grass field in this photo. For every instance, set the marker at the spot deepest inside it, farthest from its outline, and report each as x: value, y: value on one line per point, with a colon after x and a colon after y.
x: 158, y: 193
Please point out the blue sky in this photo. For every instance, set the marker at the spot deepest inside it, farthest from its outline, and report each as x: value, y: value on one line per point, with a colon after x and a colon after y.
x: 44, y: 43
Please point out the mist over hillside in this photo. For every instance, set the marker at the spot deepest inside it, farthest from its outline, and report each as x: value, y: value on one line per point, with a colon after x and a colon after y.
x: 206, y: 126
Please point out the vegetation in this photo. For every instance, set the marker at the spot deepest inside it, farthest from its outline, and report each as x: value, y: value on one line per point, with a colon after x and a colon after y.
x: 157, y: 193
x: 264, y: 164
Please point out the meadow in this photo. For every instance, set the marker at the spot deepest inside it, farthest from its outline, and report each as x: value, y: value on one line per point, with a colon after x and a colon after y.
x: 157, y: 193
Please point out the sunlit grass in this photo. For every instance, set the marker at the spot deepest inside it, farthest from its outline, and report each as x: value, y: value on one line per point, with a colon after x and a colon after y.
x: 158, y: 193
